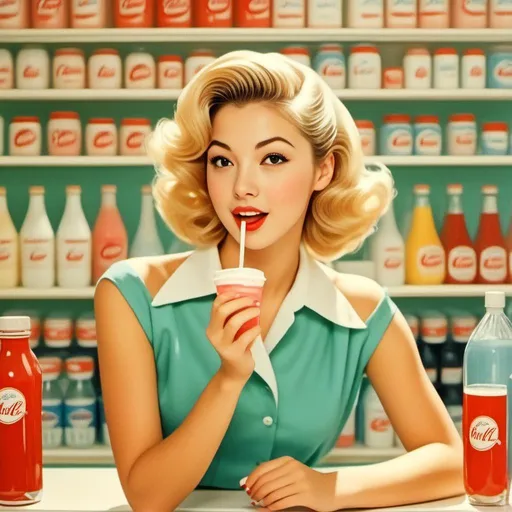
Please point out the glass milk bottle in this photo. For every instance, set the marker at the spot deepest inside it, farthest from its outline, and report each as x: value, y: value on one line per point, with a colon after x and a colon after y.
x: 80, y: 409
x: 74, y: 243
x: 487, y: 368
x: 146, y: 241
x: 37, y: 241
x: 9, y: 264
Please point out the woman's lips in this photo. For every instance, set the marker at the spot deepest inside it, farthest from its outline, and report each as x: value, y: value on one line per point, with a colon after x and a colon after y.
x: 252, y: 222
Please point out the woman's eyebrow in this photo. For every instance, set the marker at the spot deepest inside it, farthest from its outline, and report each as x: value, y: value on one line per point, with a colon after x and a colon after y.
x: 261, y: 144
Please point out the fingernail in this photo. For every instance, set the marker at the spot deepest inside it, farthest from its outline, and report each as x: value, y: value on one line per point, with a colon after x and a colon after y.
x: 242, y: 482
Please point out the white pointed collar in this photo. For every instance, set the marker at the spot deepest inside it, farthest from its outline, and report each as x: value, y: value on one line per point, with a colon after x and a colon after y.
x: 314, y: 286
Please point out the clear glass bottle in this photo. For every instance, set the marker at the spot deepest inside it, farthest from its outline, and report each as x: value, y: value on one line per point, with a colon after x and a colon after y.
x: 486, y: 378
x: 53, y: 402
x: 80, y: 403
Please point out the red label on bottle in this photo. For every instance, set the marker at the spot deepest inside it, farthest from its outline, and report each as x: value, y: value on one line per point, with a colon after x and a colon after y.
x: 462, y: 264
x: 64, y: 70
x: 110, y: 252
x: 135, y: 140
x: 30, y: 72
x: 380, y: 424
x: 176, y: 8
x: 64, y: 138
x: 106, y: 72
x: 12, y: 406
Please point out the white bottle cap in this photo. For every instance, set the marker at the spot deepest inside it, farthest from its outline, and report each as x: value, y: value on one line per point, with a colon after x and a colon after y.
x: 494, y: 300
x: 12, y: 325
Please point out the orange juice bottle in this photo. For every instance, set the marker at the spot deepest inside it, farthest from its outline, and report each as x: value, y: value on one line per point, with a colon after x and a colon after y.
x: 424, y: 253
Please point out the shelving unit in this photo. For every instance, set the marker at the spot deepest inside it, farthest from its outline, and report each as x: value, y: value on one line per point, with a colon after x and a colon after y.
x: 173, y: 94
x: 410, y: 291
x: 136, y: 161
x: 255, y: 35
x: 101, y: 454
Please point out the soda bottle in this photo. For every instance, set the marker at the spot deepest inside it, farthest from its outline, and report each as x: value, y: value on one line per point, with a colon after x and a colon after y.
x: 109, y: 237
x: 490, y: 242
x: 388, y: 251
x: 460, y: 255
x: 424, y: 253
x: 21, y: 450
x: 80, y: 407
x: 53, y: 402
x: 486, y: 372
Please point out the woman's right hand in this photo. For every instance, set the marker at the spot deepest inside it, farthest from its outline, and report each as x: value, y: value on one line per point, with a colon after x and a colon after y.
x: 237, y: 363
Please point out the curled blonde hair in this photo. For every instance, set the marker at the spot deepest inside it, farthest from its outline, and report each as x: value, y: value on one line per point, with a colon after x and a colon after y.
x: 340, y: 217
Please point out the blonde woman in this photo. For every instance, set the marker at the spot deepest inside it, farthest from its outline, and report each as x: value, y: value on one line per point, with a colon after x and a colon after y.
x: 187, y: 406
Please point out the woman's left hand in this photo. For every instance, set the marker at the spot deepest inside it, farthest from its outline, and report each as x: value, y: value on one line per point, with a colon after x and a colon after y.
x: 283, y: 483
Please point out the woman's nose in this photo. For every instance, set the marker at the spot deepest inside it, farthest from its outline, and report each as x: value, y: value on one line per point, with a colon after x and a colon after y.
x: 246, y: 182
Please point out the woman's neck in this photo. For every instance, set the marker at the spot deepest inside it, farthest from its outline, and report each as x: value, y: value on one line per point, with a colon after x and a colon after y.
x: 279, y: 262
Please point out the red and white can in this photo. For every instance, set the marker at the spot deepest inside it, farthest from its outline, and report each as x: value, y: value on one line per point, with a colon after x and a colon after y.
x: 32, y: 69
x: 288, y: 14
x: 69, y: 69
x: 49, y: 14
x: 252, y: 13
x: 89, y: 13
x: 14, y: 14
x: 174, y: 13
x: 484, y: 432
x: 213, y: 13
x: 170, y: 72
x: 366, y: 131
x: 134, y: 13
x: 101, y: 137
x: 133, y: 134
x: 140, y: 71
x: 64, y: 134
x: 25, y: 136
x: 58, y: 331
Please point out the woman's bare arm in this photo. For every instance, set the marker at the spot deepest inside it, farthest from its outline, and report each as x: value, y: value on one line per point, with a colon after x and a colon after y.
x: 156, y: 474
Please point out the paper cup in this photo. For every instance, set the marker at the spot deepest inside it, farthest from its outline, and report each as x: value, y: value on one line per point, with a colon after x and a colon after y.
x: 248, y: 282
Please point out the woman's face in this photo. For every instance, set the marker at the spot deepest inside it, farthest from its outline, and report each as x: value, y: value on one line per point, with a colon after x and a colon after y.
x: 260, y: 162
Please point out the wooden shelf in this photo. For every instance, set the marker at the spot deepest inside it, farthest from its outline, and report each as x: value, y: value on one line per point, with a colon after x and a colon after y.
x: 256, y: 35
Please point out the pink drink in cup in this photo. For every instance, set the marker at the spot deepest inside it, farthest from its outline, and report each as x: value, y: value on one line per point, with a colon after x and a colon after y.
x: 248, y: 282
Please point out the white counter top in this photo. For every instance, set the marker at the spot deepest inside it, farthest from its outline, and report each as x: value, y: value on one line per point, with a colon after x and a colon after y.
x: 98, y: 489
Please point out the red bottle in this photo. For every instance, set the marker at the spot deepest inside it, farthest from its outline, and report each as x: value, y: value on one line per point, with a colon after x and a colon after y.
x: 21, y: 403
x: 134, y: 13
x: 174, y: 13
x: 490, y: 244
x: 460, y: 255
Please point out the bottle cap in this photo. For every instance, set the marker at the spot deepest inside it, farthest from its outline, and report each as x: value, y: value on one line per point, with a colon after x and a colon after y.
x: 494, y: 300
x: 14, y: 325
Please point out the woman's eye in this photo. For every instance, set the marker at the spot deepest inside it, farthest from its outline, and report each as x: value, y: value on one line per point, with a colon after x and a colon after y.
x: 220, y: 161
x: 275, y: 159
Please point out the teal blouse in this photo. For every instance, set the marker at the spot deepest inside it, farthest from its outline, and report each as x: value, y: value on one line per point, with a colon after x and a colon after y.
x: 307, y: 372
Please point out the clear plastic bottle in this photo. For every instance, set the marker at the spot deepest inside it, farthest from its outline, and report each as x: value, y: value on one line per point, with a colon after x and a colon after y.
x: 53, y: 402
x: 487, y: 370
x: 80, y: 403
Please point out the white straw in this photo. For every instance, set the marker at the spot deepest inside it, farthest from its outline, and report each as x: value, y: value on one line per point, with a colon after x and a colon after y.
x: 242, y: 246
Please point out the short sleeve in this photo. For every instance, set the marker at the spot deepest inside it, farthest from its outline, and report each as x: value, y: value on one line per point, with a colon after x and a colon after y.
x: 134, y: 291
x: 377, y: 324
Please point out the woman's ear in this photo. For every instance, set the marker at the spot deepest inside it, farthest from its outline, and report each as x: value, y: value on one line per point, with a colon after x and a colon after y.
x: 324, y: 172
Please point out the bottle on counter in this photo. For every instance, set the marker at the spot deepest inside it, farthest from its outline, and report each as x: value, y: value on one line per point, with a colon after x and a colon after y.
x: 9, y: 246
x: 146, y: 241
x: 378, y: 432
x: 74, y: 243
x: 486, y: 378
x: 37, y: 241
x: 21, y: 463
